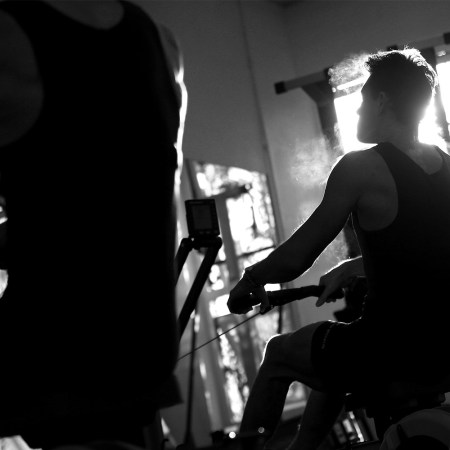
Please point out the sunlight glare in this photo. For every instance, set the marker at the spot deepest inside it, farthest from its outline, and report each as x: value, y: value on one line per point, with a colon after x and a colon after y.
x: 347, y: 117
x: 443, y: 70
x: 428, y: 128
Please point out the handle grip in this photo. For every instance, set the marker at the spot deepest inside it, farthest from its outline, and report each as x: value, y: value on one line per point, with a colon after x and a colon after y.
x: 284, y: 296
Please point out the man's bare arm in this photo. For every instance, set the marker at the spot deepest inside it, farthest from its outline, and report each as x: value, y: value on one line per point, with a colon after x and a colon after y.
x: 297, y: 254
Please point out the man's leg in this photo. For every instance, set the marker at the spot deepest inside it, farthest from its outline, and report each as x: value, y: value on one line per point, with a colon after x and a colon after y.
x: 321, y: 412
x: 287, y: 358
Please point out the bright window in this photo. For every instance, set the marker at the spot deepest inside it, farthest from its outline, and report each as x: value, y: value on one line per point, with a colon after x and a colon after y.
x: 248, y: 230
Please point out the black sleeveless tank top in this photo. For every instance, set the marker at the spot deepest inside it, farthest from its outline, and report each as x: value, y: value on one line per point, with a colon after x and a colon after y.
x: 407, y: 263
x: 88, y: 194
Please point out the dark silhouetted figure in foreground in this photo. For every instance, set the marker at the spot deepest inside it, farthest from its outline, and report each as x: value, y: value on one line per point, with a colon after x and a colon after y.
x: 92, y: 106
x: 398, y: 196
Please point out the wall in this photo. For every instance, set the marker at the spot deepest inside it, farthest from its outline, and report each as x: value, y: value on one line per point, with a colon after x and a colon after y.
x: 323, y: 32
x: 220, y: 127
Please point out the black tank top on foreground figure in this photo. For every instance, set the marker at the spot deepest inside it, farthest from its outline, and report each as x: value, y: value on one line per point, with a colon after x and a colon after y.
x: 89, y: 304
x: 407, y: 265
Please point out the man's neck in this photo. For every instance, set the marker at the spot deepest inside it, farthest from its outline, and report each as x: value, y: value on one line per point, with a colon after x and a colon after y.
x: 404, y: 137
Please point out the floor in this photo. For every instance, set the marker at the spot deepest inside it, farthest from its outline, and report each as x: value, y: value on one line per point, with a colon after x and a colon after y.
x: 347, y: 429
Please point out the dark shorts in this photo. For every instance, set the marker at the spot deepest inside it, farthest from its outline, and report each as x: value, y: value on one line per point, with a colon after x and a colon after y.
x: 343, y: 357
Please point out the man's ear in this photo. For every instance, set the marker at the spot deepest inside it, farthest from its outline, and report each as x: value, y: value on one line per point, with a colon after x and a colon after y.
x: 383, y: 101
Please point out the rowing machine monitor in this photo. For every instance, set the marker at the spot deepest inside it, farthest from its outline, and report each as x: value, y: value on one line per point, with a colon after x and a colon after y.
x: 201, y: 216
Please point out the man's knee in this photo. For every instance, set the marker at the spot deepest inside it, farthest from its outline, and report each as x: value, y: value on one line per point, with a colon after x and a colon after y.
x: 291, y: 348
x: 275, y: 349
x: 288, y: 356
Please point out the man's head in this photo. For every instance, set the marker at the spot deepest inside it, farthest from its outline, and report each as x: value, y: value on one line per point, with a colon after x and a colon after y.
x: 401, y: 82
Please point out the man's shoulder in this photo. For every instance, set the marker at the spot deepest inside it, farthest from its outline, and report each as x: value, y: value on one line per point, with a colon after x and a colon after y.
x: 16, y: 52
x: 360, y: 169
x: 11, y: 37
x: 20, y: 88
x: 8, y: 25
x: 360, y: 159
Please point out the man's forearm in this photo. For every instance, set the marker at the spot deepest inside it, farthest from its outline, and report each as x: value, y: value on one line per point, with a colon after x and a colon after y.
x: 280, y: 267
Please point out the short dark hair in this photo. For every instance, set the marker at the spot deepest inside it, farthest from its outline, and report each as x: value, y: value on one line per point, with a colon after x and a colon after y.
x: 406, y: 77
